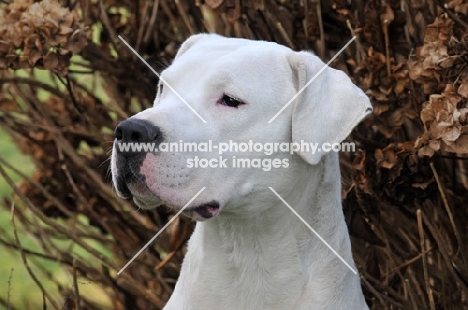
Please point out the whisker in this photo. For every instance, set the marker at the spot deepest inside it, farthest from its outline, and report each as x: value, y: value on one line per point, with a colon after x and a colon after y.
x: 106, y: 160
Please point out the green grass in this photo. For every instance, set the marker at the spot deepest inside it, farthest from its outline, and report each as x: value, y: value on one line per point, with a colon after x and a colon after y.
x: 14, y: 278
x: 21, y: 284
x: 23, y: 292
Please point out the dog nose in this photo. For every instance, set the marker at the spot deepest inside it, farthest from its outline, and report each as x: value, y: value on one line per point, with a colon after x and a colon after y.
x: 136, y: 131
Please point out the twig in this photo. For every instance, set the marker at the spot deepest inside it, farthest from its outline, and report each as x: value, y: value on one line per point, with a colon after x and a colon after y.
x: 387, y: 47
x: 57, y: 202
x: 452, y: 15
x: 72, y: 95
x: 172, y: 20
x: 409, y: 262
x: 9, y: 289
x: 409, y: 291
x: 166, y: 259
x: 106, y: 22
x: 26, y: 264
x: 171, y: 254
x: 304, y: 21
x: 152, y: 20
x: 359, y: 49
x: 406, y: 9
x: 185, y: 18
x: 81, y: 198
x: 424, y: 260
x: 419, y: 292
x: 373, y: 290
x: 136, y: 286
x: 142, y: 27
x: 284, y: 34
x: 64, y: 146
x: 388, y: 289
x: 31, y: 82
x: 318, y: 9
x: 52, y: 258
x: 79, y: 161
x: 81, y: 71
x: 447, y: 207
x: 50, y: 222
x: 443, y: 251
x: 75, y: 286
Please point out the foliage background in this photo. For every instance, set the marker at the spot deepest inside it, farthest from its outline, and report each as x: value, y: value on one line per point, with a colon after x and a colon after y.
x: 67, y: 79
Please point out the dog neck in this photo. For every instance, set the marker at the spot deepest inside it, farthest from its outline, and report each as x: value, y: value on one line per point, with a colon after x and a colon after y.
x: 273, y: 260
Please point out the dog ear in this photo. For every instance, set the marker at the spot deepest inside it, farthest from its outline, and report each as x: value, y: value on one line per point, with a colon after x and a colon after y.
x: 327, y: 109
x: 190, y: 42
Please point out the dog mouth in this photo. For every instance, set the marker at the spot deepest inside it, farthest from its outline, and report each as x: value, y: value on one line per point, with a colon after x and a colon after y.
x: 206, y: 210
x: 131, y: 187
x: 148, y: 203
x: 202, y: 212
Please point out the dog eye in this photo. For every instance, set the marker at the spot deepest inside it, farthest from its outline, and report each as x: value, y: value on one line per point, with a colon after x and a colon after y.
x: 230, y: 102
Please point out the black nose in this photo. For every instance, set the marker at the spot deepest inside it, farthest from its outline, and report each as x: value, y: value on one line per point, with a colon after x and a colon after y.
x: 139, y: 131
x: 136, y: 131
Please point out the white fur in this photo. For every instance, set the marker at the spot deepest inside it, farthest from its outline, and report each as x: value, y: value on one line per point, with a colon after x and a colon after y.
x: 256, y: 254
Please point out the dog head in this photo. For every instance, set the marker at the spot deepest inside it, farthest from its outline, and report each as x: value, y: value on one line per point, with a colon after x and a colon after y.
x: 227, y: 91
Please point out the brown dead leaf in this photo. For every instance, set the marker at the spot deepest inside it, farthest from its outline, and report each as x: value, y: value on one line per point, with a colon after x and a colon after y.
x: 426, y: 151
x: 460, y: 146
x: 51, y: 61
x: 451, y: 133
x: 415, y: 69
x: 35, y: 29
x: 385, y: 158
x: 213, y: 3
x: 400, y: 86
x: 380, y: 108
x: 34, y: 56
x: 77, y: 41
x: 463, y: 90
x: 8, y: 105
x: 463, y: 117
x: 359, y: 160
x: 434, y: 144
x: 395, y: 119
x: 431, y: 34
x: 422, y: 186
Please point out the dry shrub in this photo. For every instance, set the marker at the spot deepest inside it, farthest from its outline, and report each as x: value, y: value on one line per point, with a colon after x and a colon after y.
x: 46, y: 33
x: 403, y: 190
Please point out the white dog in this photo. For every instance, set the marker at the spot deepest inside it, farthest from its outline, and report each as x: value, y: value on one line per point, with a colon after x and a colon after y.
x: 249, y: 251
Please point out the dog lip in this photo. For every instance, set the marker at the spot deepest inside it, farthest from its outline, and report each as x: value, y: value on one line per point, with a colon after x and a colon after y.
x: 207, y: 210
x: 122, y: 189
